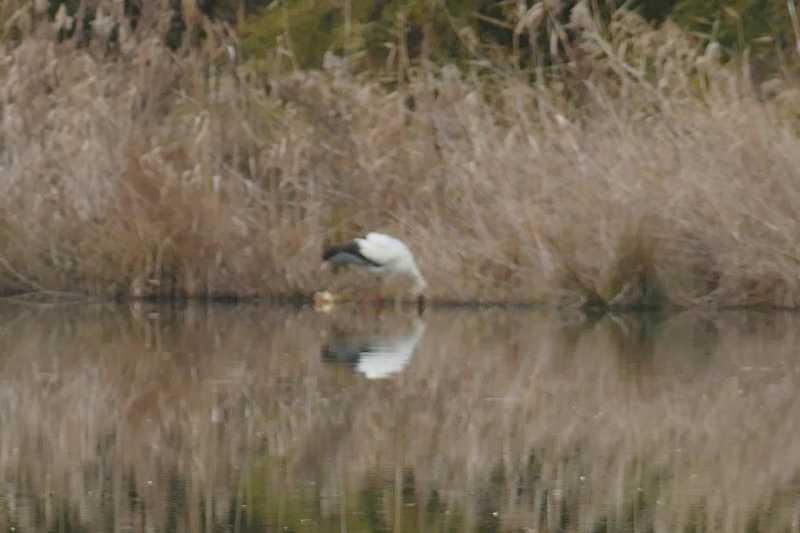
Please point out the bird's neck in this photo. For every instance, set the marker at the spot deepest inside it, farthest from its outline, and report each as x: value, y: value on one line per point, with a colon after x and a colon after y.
x: 420, y: 284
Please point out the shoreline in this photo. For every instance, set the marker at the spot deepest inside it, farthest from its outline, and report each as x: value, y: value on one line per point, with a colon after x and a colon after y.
x: 306, y: 301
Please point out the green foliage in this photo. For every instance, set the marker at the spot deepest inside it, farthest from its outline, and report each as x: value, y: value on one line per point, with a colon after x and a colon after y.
x: 736, y: 23
x: 455, y: 30
x: 655, y: 10
x: 375, y: 31
x: 311, y: 27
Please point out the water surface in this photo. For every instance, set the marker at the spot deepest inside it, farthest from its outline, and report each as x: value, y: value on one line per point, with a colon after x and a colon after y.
x: 255, y: 418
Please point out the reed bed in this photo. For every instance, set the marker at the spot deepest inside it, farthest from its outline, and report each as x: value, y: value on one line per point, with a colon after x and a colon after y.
x: 203, y: 419
x: 641, y: 172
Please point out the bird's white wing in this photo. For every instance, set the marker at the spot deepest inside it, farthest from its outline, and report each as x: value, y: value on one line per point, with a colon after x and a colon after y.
x: 382, y: 249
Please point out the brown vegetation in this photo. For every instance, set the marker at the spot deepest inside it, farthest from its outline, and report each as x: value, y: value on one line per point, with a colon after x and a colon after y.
x: 641, y: 172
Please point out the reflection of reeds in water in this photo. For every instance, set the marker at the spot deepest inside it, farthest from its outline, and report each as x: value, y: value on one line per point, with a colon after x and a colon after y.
x: 204, y: 417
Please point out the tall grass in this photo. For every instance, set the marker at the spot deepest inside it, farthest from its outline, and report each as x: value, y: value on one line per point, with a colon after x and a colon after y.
x: 640, y: 172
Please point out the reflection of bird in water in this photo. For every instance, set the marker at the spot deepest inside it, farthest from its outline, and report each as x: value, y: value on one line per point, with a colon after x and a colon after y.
x: 375, y: 355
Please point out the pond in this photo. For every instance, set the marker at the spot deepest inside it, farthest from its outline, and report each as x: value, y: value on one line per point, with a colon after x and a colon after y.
x: 256, y: 418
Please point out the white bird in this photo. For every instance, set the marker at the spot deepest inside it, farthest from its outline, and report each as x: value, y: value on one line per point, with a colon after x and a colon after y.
x: 379, y: 253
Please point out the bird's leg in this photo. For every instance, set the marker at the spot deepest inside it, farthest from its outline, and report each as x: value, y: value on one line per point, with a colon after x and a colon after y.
x: 420, y: 304
x: 379, y: 299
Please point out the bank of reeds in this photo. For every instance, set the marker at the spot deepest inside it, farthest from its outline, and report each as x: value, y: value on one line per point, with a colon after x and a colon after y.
x: 641, y: 171
x: 215, y: 417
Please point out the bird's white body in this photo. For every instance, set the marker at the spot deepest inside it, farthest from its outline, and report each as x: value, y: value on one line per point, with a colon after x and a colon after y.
x: 379, y: 253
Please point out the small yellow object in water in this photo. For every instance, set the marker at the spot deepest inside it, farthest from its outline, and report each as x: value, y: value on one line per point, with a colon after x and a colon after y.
x: 323, y: 301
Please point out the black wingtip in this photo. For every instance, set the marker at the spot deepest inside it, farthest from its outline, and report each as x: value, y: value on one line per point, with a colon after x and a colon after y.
x: 352, y: 249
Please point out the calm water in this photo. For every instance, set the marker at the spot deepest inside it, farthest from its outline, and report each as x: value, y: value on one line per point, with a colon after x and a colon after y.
x: 260, y: 419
